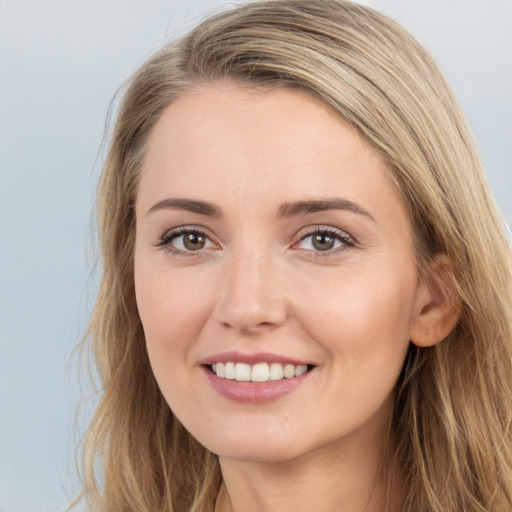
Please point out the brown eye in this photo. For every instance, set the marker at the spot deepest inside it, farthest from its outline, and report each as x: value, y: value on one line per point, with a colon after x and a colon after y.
x: 186, y: 241
x: 328, y: 240
x: 194, y: 241
x: 323, y: 242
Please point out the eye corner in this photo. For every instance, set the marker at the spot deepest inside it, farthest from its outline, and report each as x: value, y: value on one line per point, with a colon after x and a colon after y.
x: 329, y: 241
x: 198, y: 236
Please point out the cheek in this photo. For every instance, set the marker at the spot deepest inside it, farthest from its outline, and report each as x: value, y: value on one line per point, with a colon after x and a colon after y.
x: 363, y: 327
x: 362, y: 317
x: 173, y: 310
x: 172, y: 313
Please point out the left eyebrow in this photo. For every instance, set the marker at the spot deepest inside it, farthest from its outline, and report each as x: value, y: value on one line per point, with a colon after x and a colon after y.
x: 320, y: 205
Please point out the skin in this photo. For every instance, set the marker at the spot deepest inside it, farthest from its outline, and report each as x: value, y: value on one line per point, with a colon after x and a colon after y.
x: 260, y: 285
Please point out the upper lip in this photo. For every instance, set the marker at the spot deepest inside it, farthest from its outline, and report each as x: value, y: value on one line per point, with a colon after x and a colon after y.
x: 255, y: 358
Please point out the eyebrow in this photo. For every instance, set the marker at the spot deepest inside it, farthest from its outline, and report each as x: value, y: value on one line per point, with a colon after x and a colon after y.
x: 190, y: 205
x: 320, y: 205
x: 286, y: 210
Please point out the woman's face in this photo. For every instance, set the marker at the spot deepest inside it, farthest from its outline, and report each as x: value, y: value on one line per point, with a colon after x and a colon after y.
x: 271, y: 241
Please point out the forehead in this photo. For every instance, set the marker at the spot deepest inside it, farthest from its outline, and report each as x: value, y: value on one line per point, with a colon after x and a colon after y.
x: 221, y: 139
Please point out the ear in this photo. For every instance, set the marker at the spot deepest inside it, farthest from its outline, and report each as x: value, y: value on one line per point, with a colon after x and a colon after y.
x: 437, y: 306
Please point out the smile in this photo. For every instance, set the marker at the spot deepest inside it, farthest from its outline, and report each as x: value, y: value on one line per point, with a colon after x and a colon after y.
x: 260, y: 372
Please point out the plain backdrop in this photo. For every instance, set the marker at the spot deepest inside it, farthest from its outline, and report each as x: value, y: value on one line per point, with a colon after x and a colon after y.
x: 61, y: 62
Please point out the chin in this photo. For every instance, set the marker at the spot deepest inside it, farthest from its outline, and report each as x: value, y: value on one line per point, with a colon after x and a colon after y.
x: 256, y: 443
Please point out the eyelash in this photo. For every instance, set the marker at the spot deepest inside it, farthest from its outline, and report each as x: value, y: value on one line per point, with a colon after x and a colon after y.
x: 167, y: 239
x: 346, y: 240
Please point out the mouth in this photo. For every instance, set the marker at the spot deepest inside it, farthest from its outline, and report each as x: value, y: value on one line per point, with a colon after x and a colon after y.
x: 255, y: 379
x: 259, y: 372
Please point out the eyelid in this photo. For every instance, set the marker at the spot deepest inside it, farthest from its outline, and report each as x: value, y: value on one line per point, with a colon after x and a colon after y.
x: 165, y: 241
x: 347, y: 240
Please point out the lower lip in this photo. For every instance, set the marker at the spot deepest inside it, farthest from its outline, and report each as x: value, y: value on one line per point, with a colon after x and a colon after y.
x: 254, y: 392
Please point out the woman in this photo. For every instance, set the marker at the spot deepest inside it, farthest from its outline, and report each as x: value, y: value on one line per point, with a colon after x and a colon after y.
x: 306, y: 297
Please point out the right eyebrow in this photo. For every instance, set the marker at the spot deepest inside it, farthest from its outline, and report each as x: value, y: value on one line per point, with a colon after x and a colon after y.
x: 190, y: 205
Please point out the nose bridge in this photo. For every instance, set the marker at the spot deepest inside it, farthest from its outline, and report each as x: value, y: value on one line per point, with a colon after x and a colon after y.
x: 251, y: 297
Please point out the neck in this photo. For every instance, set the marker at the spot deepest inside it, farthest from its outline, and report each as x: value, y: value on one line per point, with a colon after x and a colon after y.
x: 344, y: 476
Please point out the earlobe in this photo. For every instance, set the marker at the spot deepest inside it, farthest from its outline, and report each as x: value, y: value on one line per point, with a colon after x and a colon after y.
x: 437, y: 306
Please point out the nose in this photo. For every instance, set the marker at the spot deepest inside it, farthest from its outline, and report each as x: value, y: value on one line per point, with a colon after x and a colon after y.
x: 251, y: 295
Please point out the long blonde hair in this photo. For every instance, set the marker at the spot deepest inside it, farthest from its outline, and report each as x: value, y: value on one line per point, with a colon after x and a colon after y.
x: 451, y: 436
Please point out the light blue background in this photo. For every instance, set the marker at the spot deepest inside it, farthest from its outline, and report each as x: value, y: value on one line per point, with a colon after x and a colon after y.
x: 60, y: 65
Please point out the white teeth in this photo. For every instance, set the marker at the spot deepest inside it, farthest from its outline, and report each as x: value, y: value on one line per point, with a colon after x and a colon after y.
x: 276, y: 371
x: 289, y: 371
x: 299, y: 370
x: 229, y: 370
x: 261, y: 372
x: 219, y: 370
x: 243, y: 372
